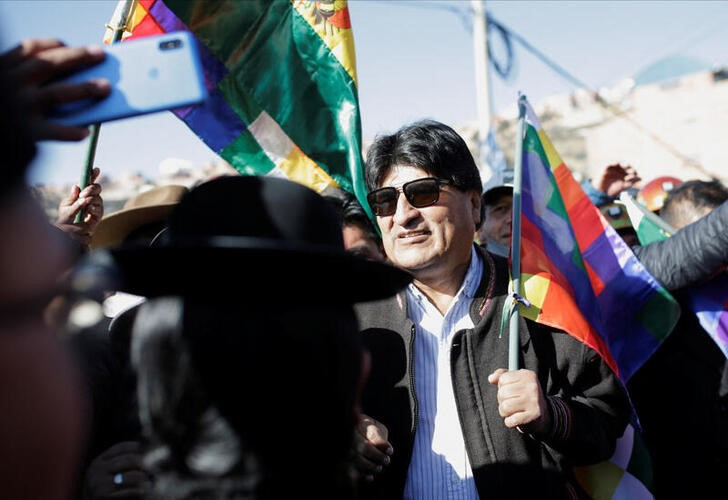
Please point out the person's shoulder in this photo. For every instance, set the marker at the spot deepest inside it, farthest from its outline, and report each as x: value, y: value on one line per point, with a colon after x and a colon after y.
x: 381, y: 312
x: 494, y: 267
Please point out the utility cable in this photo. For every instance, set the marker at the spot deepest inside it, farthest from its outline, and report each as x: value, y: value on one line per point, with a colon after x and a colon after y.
x: 561, y: 71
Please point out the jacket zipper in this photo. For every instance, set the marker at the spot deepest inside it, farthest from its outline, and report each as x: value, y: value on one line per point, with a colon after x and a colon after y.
x: 412, y: 381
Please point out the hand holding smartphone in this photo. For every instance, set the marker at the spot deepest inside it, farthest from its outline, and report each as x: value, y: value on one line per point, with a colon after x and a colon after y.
x: 146, y: 75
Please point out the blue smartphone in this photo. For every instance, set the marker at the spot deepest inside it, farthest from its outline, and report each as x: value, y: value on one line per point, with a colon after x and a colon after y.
x: 146, y: 75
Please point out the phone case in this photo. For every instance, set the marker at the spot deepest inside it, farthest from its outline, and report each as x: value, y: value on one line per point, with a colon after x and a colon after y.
x: 147, y: 75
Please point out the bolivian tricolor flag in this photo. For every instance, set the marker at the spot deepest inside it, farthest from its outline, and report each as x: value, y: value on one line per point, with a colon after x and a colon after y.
x: 282, y: 82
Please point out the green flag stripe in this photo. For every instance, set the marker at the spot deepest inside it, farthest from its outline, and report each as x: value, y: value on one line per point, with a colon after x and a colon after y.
x: 283, y: 66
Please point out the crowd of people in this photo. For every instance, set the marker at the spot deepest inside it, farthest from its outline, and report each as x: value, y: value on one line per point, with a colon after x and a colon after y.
x: 251, y: 339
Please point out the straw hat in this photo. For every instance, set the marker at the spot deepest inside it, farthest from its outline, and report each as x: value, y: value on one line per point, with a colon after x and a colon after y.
x: 148, y: 207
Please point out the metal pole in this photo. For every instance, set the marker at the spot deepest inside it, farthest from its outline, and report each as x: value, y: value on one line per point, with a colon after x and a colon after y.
x: 482, y: 79
x: 513, y: 349
x: 117, y: 25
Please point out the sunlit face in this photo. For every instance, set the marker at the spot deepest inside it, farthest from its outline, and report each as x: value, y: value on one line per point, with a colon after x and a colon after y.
x: 431, y: 241
x: 358, y: 242
x: 497, y: 223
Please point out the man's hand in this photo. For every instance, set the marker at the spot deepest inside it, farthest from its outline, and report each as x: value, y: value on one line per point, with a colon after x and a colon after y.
x: 34, y: 64
x: 117, y: 473
x: 616, y: 179
x: 371, y: 448
x: 521, y: 402
x: 88, y: 200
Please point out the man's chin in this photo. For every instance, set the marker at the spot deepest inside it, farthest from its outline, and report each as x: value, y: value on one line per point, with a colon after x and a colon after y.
x: 410, y: 263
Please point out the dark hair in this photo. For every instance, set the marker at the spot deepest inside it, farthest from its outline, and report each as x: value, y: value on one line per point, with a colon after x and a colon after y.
x: 224, y: 383
x: 351, y: 213
x: 691, y: 199
x: 432, y: 146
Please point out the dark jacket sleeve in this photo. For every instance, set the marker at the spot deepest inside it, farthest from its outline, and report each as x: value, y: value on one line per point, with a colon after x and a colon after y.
x: 692, y: 254
x: 588, y: 404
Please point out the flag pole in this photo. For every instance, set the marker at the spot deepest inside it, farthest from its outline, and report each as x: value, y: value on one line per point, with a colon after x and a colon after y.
x: 516, y: 236
x: 117, y: 25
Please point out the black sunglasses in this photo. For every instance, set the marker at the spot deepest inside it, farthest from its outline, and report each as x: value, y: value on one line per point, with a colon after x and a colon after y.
x: 419, y: 193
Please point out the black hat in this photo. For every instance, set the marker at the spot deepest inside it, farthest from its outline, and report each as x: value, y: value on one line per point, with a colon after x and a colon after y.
x: 247, y: 237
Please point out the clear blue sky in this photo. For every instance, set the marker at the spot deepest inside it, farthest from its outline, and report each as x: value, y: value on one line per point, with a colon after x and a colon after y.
x: 415, y: 60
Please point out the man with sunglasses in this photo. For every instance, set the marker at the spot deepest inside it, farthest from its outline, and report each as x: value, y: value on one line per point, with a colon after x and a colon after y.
x: 444, y: 419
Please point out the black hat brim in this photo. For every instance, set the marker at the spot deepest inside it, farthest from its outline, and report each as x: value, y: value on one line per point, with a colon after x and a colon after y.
x: 252, y: 269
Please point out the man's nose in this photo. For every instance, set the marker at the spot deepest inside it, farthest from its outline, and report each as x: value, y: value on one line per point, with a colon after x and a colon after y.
x: 404, y: 212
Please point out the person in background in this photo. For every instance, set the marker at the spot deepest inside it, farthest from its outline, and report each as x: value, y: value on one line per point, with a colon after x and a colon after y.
x: 102, y: 353
x: 87, y: 201
x: 653, y: 194
x: 495, y: 232
x: 679, y: 387
x: 691, y: 201
x: 443, y: 417
x: 41, y: 424
x: 614, y: 179
x: 360, y: 237
x: 616, y: 215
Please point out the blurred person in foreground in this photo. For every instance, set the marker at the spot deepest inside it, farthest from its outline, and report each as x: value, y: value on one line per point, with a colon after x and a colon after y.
x: 443, y: 418
x: 248, y: 342
x: 41, y: 425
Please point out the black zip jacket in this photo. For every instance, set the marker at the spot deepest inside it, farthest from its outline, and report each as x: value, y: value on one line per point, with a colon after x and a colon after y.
x: 587, y: 402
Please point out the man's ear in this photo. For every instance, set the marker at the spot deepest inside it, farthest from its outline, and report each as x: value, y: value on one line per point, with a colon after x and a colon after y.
x: 476, y: 201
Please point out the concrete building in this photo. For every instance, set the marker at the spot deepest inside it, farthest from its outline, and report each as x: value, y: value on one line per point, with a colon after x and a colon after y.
x: 662, y: 122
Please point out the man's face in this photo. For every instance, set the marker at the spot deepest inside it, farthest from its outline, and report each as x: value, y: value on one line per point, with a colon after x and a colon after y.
x: 497, y: 223
x: 432, y: 240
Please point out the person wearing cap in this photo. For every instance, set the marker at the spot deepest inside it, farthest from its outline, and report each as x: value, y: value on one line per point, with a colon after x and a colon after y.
x: 443, y: 418
x: 653, y: 194
x: 495, y: 232
x: 616, y: 215
x: 140, y: 221
x: 248, y: 343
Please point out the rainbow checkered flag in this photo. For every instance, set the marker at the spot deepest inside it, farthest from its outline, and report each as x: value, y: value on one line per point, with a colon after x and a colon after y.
x: 577, y: 273
x: 281, y: 77
x: 627, y: 475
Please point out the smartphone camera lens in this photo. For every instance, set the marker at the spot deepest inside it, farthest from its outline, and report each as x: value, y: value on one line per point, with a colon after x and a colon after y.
x: 170, y: 44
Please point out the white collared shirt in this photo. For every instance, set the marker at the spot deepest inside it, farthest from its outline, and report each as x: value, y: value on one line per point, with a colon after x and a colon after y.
x: 439, y: 468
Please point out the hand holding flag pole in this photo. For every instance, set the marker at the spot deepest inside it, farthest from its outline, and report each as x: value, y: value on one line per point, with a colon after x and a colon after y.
x: 516, y: 237
x: 117, y: 25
